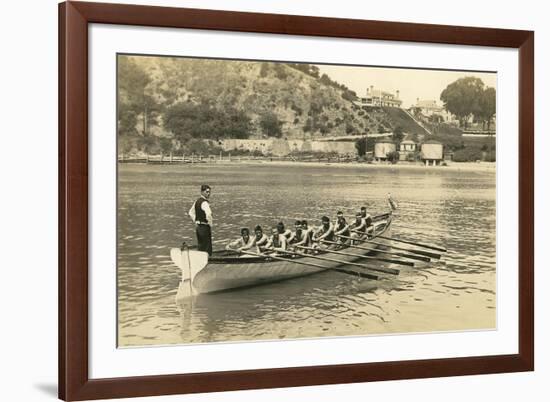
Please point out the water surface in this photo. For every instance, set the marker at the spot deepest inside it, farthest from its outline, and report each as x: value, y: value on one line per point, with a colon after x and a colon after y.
x: 438, y: 206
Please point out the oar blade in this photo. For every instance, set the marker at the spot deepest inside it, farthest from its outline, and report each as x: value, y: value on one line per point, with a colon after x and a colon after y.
x: 356, y: 273
x: 429, y: 246
x: 397, y: 262
x: 414, y: 257
x: 422, y: 252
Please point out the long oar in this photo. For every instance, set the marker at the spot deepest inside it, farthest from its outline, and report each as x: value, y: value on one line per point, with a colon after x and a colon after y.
x: 311, y: 264
x: 421, y: 252
x: 329, y: 259
x: 412, y: 257
x: 392, y: 271
x: 437, y: 248
x: 333, y: 260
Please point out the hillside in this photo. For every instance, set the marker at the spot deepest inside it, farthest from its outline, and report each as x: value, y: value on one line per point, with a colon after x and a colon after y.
x: 398, y: 117
x: 168, y: 103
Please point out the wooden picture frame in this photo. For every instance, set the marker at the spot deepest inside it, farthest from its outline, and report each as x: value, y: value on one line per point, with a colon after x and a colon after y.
x: 74, y: 381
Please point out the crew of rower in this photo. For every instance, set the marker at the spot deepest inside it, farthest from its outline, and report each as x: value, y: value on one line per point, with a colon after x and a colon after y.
x: 328, y: 235
x: 304, y: 238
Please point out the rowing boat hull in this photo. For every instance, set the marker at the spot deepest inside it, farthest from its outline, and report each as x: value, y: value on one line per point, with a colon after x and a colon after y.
x: 219, y: 274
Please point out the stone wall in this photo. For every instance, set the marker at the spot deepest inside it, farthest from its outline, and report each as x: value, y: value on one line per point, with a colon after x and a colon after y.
x: 280, y: 147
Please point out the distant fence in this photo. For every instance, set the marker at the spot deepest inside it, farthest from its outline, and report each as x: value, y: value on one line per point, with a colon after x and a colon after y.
x: 227, y: 157
x: 478, y: 133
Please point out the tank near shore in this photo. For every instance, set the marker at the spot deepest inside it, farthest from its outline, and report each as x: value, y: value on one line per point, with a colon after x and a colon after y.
x: 432, y: 152
x: 382, y: 149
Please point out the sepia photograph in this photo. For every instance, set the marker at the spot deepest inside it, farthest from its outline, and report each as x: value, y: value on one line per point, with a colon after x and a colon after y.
x: 271, y: 200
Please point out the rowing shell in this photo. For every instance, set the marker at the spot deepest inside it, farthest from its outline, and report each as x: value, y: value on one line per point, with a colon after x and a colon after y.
x: 201, y: 274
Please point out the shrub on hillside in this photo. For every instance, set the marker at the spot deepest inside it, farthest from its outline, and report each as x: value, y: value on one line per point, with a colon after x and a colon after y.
x: 297, y: 109
x: 264, y: 70
x: 205, y: 121
x: 393, y: 157
x: 271, y: 125
x: 361, y: 146
x: 468, y: 154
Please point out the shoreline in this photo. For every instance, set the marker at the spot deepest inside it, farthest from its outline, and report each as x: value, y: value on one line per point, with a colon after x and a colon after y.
x: 451, y: 166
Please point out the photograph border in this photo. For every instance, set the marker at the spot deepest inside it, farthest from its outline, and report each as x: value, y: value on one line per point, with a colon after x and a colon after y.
x: 74, y: 20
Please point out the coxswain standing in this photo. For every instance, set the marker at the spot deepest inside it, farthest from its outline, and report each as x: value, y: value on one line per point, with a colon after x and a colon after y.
x: 245, y: 242
x: 201, y: 214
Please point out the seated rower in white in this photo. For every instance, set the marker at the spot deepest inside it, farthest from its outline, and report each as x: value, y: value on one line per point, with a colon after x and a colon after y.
x: 245, y: 242
x: 341, y: 228
x: 261, y: 240
x: 368, y: 220
x: 285, y: 232
x: 302, y: 236
x: 308, y: 233
x: 325, y: 232
x: 296, y: 236
x: 277, y: 242
x: 358, y: 227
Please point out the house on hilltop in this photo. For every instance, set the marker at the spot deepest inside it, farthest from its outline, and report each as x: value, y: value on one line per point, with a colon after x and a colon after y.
x: 378, y: 98
x: 430, y: 107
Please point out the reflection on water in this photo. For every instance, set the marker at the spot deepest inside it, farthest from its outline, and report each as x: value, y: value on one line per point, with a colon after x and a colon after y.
x: 455, y: 209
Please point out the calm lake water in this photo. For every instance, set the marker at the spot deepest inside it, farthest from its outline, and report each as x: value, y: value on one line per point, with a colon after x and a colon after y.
x: 438, y: 206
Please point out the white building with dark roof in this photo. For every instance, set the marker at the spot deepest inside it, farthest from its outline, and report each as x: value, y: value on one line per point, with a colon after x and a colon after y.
x: 430, y: 107
x: 377, y: 98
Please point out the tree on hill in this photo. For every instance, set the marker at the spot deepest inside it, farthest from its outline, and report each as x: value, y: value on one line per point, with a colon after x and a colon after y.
x: 361, y: 146
x: 462, y: 97
x: 203, y: 121
x: 137, y: 105
x: 398, y: 134
x: 271, y: 125
x: 306, y: 68
x: 325, y: 80
x: 487, y: 106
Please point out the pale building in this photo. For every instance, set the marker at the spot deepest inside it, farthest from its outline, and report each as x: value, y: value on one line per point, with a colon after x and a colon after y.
x: 406, y: 148
x: 432, y: 152
x: 382, y: 149
x: 430, y: 107
x: 377, y: 97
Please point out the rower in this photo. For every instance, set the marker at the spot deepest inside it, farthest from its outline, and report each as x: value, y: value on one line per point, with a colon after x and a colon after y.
x: 325, y: 232
x: 304, y: 236
x: 358, y: 227
x: 296, y: 236
x: 245, y: 242
x: 342, y: 228
x: 308, y: 233
x: 260, y: 239
x: 277, y: 241
x: 368, y: 220
x: 285, y: 232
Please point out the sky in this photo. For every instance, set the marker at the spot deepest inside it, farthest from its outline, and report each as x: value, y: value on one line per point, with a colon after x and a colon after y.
x: 411, y: 83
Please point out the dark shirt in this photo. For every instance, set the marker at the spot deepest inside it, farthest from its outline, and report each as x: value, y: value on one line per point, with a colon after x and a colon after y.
x: 341, y: 225
x: 200, y: 215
